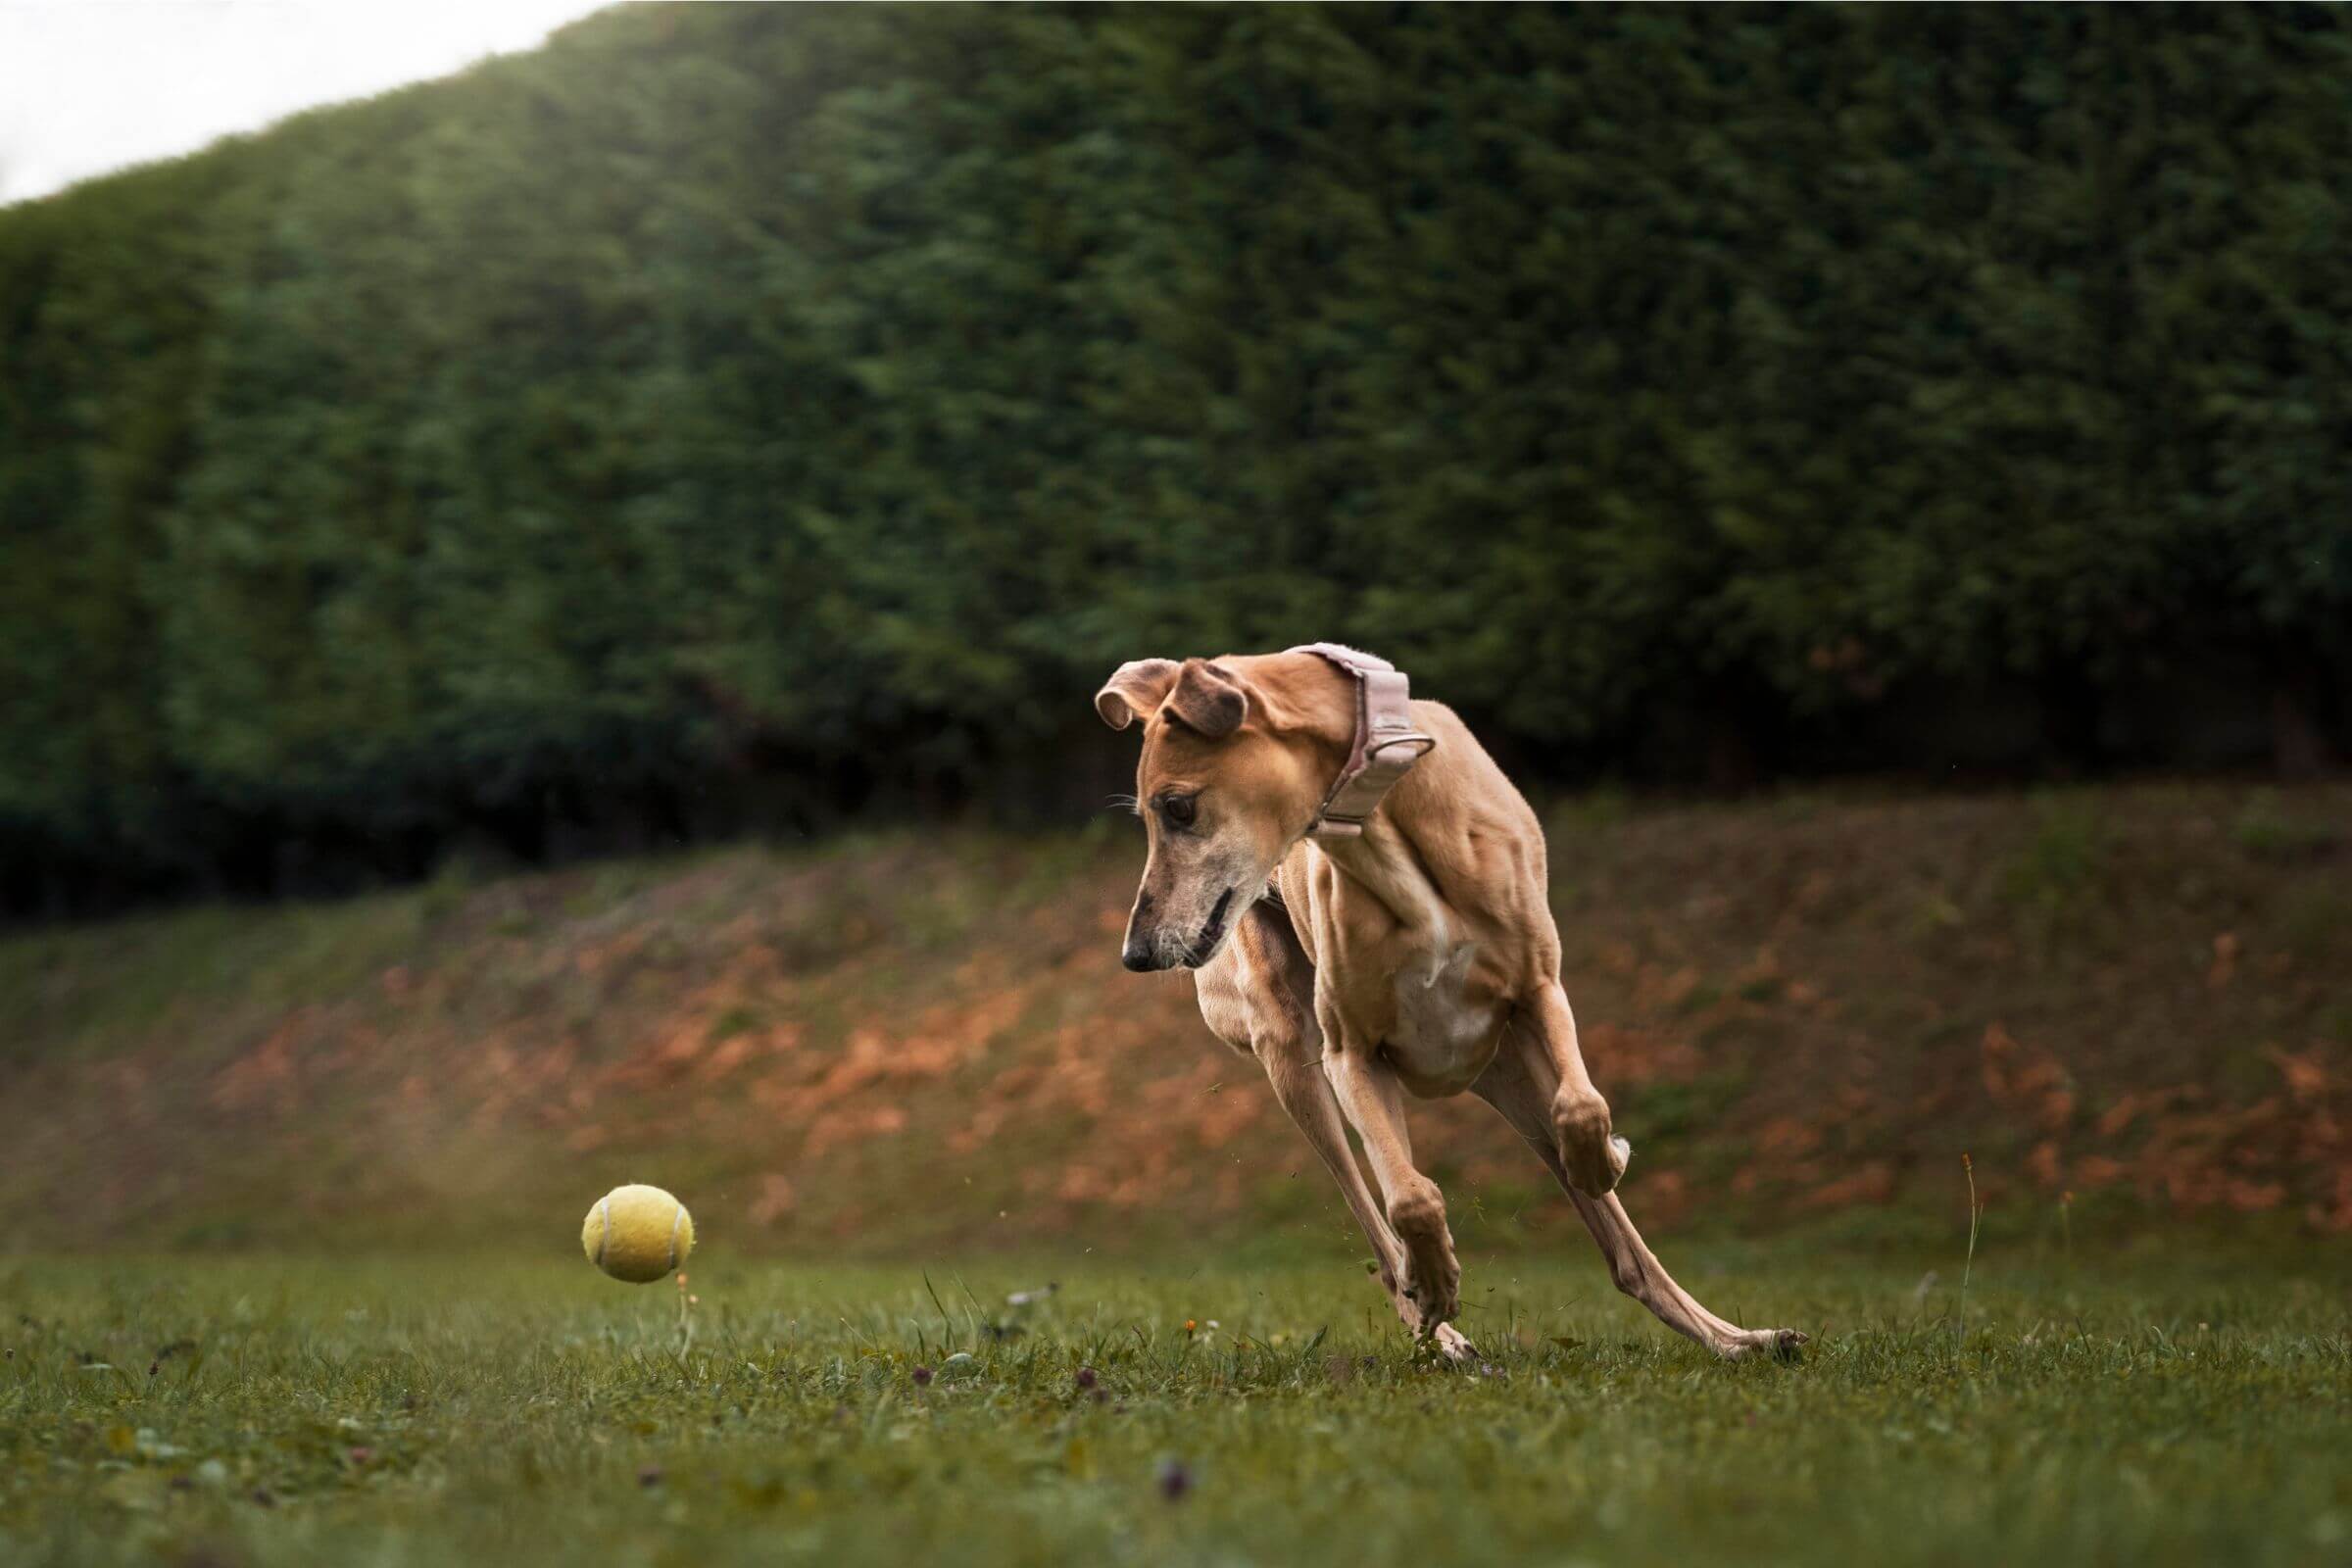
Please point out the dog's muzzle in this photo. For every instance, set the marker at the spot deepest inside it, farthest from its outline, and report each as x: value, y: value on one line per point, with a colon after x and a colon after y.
x: 1147, y: 950
x: 1142, y: 951
x: 1210, y: 934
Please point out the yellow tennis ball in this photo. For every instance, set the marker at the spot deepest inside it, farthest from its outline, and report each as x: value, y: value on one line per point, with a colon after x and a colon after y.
x: 637, y: 1234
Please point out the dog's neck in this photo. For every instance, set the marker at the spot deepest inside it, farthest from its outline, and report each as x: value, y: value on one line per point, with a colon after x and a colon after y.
x: 1382, y: 859
x: 1313, y: 704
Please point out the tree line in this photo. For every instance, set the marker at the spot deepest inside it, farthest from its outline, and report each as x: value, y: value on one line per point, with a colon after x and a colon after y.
x: 726, y: 419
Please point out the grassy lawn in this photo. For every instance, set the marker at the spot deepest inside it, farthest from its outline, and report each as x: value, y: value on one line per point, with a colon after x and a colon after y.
x: 2171, y: 1403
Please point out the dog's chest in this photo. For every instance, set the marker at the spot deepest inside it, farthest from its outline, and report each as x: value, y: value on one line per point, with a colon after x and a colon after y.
x: 1445, y: 1028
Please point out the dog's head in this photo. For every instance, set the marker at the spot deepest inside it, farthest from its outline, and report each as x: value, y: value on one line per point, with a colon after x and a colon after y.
x: 1231, y: 775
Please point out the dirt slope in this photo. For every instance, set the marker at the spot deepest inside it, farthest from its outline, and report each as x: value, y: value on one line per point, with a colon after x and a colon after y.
x: 2137, y: 996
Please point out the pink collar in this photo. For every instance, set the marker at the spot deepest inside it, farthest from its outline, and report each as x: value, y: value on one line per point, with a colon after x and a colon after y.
x: 1385, y: 746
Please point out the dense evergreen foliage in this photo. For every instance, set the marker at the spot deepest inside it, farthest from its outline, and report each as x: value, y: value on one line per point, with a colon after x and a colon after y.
x: 730, y: 413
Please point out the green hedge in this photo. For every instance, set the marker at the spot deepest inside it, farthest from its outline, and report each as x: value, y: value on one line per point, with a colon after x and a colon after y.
x: 757, y: 394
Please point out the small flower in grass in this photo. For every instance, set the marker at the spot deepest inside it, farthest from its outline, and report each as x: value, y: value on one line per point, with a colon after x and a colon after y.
x: 1488, y: 1369
x: 922, y: 1377
x: 1175, y: 1480
x: 359, y: 1455
x: 650, y: 1476
x: 1086, y: 1378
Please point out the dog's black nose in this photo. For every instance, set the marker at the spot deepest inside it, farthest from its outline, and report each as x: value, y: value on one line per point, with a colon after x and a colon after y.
x: 1136, y: 958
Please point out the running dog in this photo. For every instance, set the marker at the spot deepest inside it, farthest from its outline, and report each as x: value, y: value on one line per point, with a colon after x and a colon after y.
x: 1361, y: 895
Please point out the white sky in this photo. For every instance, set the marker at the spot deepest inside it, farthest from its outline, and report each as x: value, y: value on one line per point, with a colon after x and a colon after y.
x: 87, y: 87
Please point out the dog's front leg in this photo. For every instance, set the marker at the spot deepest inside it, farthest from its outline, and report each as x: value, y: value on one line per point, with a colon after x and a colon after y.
x: 1588, y: 1145
x: 1373, y: 1102
x: 1258, y: 997
x: 1305, y: 1094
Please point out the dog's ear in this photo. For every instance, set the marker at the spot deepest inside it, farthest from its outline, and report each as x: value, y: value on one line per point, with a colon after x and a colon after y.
x: 1136, y: 688
x: 1208, y: 699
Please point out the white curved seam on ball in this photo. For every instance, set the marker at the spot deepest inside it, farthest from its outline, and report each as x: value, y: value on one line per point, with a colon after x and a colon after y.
x: 604, y: 1227
x: 676, y: 1222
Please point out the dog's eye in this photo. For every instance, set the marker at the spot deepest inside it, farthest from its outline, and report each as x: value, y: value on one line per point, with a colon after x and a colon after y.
x: 1179, y: 810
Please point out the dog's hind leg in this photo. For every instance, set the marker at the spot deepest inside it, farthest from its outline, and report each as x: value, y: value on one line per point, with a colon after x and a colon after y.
x: 1257, y: 994
x: 1524, y: 1086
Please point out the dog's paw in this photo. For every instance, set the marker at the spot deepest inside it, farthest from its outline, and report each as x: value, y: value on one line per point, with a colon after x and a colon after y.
x: 1433, y: 1290
x: 1590, y: 1150
x: 1446, y: 1341
x: 1780, y: 1345
x: 1432, y: 1278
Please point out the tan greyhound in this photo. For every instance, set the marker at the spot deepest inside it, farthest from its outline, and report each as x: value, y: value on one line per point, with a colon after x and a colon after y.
x: 1362, y: 896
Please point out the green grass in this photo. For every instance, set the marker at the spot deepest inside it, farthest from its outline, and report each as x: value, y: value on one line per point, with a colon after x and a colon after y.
x: 2171, y: 1404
